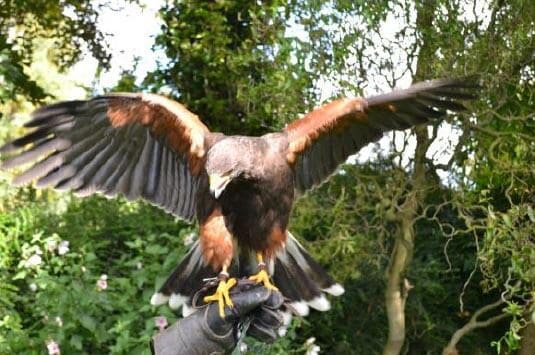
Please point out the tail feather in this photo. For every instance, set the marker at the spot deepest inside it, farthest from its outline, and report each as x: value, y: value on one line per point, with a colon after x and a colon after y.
x: 311, y: 267
x: 306, y: 288
x: 282, y: 277
x: 184, y: 281
x: 302, y: 280
x: 298, y: 276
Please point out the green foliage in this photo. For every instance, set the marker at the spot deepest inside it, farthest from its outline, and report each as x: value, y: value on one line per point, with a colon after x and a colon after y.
x: 231, y: 64
x: 13, y: 77
x: 72, y: 25
x: 346, y: 225
x: 52, y: 294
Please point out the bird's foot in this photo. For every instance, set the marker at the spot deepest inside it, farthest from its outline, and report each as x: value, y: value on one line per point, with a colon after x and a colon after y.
x: 221, y: 294
x: 263, y: 277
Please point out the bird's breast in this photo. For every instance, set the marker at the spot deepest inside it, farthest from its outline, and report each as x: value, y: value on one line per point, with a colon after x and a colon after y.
x: 257, y: 213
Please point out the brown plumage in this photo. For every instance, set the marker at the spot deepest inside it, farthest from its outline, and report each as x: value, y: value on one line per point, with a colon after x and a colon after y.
x: 240, y: 189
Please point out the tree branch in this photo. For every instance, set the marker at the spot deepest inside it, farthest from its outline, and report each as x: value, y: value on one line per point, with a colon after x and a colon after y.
x: 474, y: 323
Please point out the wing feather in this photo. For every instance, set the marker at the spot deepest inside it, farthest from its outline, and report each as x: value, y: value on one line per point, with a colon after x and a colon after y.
x: 169, y: 181
x: 110, y: 185
x: 161, y: 190
x: 176, y: 187
x: 182, y: 187
x: 37, y: 151
x: 110, y: 164
x: 154, y: 169
x: 124, y: 182
x: 90, y: 172
x: 139, y: 174
x: 82, y: 164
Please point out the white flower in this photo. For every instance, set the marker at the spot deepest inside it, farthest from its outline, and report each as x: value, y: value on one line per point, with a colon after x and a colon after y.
x: 59, y: 321
x: 102, y: 282
x: 310, y: 341
x: 311, y: 348
x: 314, y: 350
x: 160, y: 322
x: 51, y: 245
x: 53, y: 348
x: 189, y: 239
x: 63, y: 247
x: 139, y: 265
x: 83, y: 269
x: 243, y: 347
x: 34, y: 260
x: 33, y: 287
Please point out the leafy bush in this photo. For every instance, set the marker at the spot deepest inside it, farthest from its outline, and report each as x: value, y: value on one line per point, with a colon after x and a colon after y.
x: 54, y: 291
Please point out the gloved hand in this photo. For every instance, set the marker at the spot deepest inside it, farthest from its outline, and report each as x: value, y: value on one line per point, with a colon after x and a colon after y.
x: 205, y: 332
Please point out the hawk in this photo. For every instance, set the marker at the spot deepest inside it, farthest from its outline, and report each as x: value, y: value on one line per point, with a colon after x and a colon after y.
x: 240, y: 189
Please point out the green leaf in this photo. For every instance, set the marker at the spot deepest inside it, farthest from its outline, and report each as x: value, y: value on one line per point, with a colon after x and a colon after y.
x: 531, y: 214
x: 20, y: 275
x: 88, y: 322
x: 507, y: 220
x: 156, y: 249
x: 76, y: 342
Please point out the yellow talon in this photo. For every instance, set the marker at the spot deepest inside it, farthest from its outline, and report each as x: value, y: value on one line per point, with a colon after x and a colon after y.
x: 263, y: 277
x: 222, y: 296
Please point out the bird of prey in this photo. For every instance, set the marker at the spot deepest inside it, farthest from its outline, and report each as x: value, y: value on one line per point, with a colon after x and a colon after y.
x: 240, y: 189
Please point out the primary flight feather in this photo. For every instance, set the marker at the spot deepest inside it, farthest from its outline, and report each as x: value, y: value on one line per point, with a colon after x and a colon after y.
x: 240, y: 189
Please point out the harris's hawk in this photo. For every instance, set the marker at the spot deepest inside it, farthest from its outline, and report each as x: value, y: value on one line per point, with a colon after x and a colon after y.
x: 240, y: 189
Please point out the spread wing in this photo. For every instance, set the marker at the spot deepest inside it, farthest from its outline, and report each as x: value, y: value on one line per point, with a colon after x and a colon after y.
x: 327, y: 136
x: 139, y: 145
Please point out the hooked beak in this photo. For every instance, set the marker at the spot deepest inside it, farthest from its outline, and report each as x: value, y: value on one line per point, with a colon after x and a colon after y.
x: 218, y: 184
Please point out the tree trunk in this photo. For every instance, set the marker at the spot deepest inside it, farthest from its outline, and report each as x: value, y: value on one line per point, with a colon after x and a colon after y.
x: 527, y: 346
x: 397, y: 287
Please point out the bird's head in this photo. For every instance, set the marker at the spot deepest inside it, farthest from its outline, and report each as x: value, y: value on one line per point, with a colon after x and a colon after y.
x: 227, y: 161
x: 218, y: 180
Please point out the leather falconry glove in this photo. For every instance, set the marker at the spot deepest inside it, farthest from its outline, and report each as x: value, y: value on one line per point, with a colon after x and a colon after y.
x: 205, y: 332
